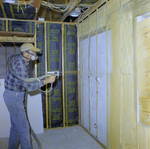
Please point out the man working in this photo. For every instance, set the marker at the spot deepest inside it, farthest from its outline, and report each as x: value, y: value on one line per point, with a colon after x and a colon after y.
x: 14, y: 96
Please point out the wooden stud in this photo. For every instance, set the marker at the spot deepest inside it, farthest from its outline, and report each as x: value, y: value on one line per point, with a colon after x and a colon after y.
x: 2, y: 6
x: 66, y: 2
x: 46, y: 71
x: 108, y: 98
x: 63, y: 81
x: 6, y: 25
x: 89, y: 72
x: 135, y: 67
x: 79, y: 77
x: 35, y: 46
x: 97, y: 133
x: 82, y: 74
x: 88, y: 12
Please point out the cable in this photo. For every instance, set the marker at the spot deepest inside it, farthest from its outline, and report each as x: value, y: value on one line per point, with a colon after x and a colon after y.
x: 56, y: 7
x: 48, y: 90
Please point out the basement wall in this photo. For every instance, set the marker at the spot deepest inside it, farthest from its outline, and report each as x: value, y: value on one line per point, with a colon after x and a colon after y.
x: 114, y: 73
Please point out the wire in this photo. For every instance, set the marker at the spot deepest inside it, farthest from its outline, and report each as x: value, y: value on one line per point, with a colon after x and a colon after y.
x: 48, y: 90
x: 56, y: 7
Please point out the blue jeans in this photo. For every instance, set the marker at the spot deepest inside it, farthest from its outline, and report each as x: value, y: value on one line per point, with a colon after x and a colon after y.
x: 20, y: 130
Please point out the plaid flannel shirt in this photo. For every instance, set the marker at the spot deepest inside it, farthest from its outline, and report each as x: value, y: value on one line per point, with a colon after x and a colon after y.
x: 21, y: 68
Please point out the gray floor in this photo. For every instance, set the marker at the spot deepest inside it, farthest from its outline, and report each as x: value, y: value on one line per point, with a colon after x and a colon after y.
x: 62, y: 138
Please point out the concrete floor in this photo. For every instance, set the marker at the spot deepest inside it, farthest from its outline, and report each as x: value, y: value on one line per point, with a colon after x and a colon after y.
x: 62, y: 138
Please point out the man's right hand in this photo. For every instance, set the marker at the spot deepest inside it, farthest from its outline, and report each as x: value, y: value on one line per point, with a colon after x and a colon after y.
x: 50, y: 79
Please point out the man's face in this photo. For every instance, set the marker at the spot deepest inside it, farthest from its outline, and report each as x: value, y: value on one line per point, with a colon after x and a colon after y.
x: 28, y: 55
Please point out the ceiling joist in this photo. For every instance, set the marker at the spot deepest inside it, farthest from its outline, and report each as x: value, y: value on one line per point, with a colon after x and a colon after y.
x: 71, y: 8
x: 37, y: 9
x: 91, y: 9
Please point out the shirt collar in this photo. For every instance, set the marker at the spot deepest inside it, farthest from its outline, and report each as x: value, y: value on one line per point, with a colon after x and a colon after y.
x: 23, y: 60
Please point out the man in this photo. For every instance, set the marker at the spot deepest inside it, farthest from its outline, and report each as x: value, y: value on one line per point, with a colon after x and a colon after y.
x: 14, y: 96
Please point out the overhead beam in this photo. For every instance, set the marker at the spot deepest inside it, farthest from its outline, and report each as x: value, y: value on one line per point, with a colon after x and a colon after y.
x: 71, y: 8
x: 2, y: 6
x: 16, y: 39
x: 91, y: 9
x: 37, y: 9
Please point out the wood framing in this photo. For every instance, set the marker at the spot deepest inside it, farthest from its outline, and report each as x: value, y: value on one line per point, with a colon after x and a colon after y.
x: 63, y: 81
x: 72, y: 7
x: 1, y: 4
x: 90, y: 10
x: 37, y: 9
x: 18, y: 37
x: 21, y: 37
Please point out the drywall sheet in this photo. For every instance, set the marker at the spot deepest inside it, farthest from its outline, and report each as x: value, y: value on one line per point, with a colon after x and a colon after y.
x: 2, y: 25
x: 102, y: 87
x: 21, y: 26
x: 40, y: 43
x: 54, y: 57
x: 1, y: 13
x: 34, y: 109
x: 70, y: 43
x: 4, y: 116
x: 19, y: 11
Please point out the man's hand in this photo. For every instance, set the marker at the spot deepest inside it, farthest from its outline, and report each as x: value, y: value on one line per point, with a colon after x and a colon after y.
x: 50, y: 79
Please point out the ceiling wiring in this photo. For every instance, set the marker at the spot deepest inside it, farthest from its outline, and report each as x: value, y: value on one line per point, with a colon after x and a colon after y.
x: 56, y: 7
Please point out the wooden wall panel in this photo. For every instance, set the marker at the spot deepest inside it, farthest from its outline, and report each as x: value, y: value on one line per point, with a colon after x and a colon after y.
x: 129, y: 64
x: 144, y: 71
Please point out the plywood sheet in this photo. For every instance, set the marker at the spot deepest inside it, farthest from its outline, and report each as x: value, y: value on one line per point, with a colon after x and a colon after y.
x: 144, y: 70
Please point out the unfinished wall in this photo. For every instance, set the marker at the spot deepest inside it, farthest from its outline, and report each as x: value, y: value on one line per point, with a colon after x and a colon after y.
x: 126, y: 58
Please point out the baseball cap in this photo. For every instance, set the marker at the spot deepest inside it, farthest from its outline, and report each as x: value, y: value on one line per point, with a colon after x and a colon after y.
x: 29, y: 46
